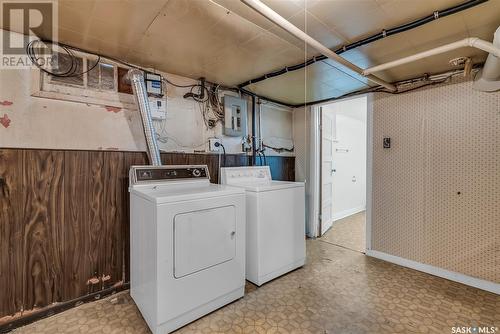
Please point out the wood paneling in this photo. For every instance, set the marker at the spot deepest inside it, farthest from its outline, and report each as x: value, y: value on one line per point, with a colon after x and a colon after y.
x: 43, y: 223
x: 11, y: 232
x: 64, y: 228
x: 129, y: 159
x: 77, y: 264
x: 114, y: 177
x: 95, y: 198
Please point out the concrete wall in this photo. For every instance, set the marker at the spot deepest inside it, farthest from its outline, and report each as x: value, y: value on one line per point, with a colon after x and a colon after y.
x: 37, y: 122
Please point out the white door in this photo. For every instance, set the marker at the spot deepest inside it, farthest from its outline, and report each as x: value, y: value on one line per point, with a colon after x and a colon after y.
x: 328, y: 130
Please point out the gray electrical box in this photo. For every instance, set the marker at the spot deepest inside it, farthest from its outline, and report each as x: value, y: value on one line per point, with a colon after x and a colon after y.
x: 235, y: 116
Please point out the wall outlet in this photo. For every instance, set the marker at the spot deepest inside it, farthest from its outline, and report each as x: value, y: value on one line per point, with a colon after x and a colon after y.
x: 211, y: 144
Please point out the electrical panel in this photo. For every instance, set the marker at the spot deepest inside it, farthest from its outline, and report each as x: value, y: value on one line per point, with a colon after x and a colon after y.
x: 235, y: 116
x: 153, y: 83
x: 158, y: 108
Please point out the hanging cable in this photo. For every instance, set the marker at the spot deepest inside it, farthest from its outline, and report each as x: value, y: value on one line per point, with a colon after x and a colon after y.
x: 279, y: 149
x: 72, y: 71
x: 218, y: 144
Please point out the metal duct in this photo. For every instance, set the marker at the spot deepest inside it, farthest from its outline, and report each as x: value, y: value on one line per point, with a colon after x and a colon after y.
x: 136, y: 78
x: 488, y: 79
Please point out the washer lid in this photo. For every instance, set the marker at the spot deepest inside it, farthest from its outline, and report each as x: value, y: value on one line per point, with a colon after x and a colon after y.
x: 181, y: 192
x: 269, y: 186
x: 254, y: 178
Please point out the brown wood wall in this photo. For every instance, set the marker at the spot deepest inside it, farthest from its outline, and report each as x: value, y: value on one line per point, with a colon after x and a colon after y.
x: 64, y: 220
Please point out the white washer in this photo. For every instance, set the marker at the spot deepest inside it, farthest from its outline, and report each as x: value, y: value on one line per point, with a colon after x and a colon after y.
x: 275, y: 232
x: 187, y: 244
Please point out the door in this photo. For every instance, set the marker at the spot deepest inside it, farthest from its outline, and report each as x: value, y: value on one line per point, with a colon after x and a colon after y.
x: 328, y: 131
x: 203, y: 239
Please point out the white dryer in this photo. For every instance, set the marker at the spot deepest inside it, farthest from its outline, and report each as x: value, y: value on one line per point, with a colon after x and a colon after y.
x: 187, y: 244
x: 275, y: 235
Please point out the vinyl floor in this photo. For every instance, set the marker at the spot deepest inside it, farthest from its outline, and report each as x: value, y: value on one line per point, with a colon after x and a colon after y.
x: 337, y: 291
x: 348, y: 232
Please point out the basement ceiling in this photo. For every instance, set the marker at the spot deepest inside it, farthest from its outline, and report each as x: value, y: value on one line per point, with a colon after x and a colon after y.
x: 227, y: 42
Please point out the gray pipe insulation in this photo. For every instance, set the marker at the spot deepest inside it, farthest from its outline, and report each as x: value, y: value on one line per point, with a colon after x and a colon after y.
x: 136, y: 78
x: 488, y: 79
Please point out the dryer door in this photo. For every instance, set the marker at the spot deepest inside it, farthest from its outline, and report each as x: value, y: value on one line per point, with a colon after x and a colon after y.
x: 203, y: 239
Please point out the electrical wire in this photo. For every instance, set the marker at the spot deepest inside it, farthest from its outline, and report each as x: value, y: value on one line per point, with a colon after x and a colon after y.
x: 279, y: 149
x: 370, y: 39
x: 71, y: 72
x: 219, y: 171
x: 163, y: 137
x: 177, y: 85
x: 425, y: 78
x: 210, y: 106
x: 426, y: 82
x: 219, y: 144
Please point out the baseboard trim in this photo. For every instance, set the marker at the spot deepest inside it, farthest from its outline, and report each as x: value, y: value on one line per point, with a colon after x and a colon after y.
x: 56, y: 308
x: 450, y: 275
x: 349, y: 212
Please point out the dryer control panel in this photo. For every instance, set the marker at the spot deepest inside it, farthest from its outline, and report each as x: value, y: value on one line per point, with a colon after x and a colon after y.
x: 148, y: 174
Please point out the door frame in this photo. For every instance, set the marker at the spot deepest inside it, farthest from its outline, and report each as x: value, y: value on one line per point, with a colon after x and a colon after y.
x: 369, y: 163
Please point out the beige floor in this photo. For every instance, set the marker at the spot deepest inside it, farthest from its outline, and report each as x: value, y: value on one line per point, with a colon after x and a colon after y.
x: 348, y: 232
x: 338, y: 291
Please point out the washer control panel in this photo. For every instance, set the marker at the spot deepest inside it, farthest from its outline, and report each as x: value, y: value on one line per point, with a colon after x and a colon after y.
x: 146, y: 174
x: 253, y: 174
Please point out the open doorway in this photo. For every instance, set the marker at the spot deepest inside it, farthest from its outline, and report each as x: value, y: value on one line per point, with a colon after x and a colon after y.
x: 343, y: 173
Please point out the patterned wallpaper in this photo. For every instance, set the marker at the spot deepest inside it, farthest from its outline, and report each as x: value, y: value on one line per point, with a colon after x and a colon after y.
x: 436, y: 191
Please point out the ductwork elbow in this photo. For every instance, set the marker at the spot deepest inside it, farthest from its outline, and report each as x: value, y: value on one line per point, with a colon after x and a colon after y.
x: 488, y: 78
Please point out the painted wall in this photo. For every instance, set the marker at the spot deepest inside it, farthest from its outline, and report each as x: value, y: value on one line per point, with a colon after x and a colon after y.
x: 277, y: 136
x: 34, y: 122
x: 436, y: 191
x: 349, y: 156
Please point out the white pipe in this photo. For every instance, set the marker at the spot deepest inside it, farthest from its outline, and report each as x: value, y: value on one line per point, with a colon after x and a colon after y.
x: 488, y: 79
x: 283, y: 23
x: 466, y: 42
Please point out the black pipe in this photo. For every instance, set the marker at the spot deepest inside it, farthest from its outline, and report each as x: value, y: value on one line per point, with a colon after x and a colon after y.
x: 254, y: 131
x: 384, y: 33
x: 249, y: 93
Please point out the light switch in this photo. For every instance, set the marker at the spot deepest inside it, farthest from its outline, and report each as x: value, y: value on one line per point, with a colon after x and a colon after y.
x: 387, y: 142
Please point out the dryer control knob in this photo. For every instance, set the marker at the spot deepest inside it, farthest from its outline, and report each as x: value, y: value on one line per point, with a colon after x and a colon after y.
x: 196, y: 172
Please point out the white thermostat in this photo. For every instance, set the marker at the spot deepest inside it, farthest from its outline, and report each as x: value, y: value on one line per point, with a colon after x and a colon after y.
x: 158, y: 108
